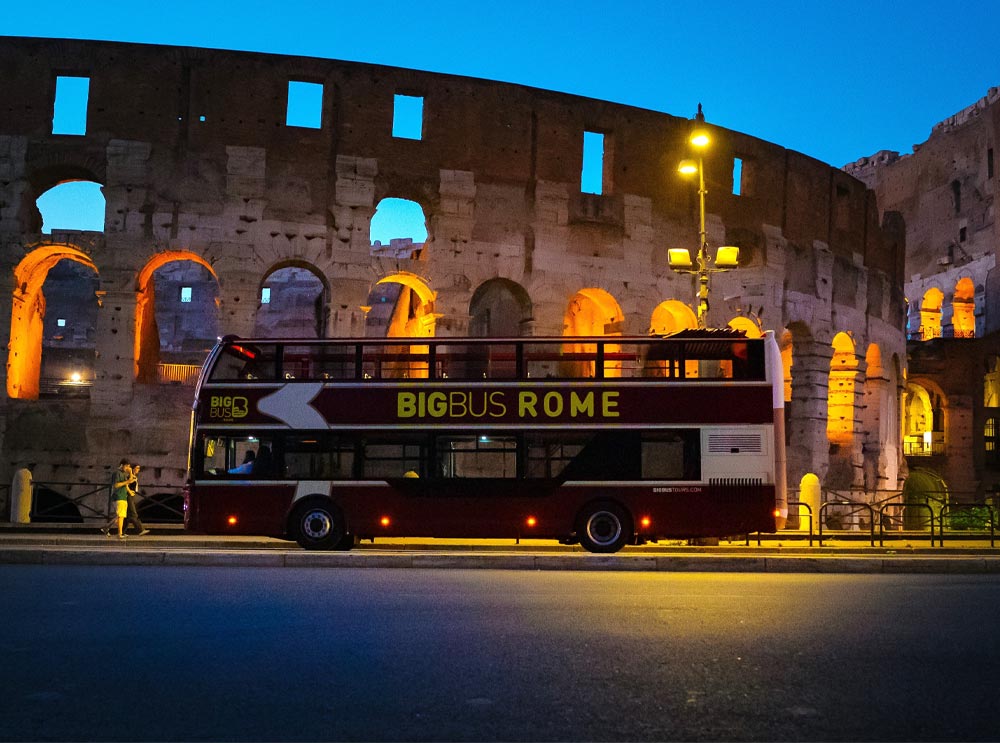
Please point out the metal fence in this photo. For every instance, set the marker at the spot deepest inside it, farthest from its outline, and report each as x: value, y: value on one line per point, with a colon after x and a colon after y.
x: 84, y: 502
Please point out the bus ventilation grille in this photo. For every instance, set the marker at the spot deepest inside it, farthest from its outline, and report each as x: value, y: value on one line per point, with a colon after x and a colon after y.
x: 736, y: 482
x: 734, y: 443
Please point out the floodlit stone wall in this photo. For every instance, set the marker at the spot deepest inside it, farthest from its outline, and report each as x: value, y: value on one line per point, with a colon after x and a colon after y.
x: 198, y: 164
x: 946, y: 190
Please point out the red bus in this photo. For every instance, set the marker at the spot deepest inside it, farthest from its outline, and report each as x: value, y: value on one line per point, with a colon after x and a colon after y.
x: 601, y: 441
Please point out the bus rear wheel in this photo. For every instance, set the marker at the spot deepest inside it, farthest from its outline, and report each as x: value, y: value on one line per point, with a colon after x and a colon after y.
x: 603, y: 527
x: 319, y: 526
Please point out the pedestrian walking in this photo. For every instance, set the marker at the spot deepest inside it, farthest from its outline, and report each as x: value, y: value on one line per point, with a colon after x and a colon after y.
x: 119, y: 495
x: 132, y: 516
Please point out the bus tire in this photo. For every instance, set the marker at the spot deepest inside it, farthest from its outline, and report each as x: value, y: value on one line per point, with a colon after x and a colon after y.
x: 318, y: 525
x: 603, y: 527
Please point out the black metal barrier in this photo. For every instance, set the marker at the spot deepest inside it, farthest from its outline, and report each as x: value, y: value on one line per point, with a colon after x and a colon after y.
x: 882, y: 519
x: 948, y: 508
x: 800, y: 505
x: 855, y: 506
x: 57, y: 503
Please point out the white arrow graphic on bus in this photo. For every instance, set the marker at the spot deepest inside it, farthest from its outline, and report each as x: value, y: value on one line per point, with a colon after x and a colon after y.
x: 291, y: 405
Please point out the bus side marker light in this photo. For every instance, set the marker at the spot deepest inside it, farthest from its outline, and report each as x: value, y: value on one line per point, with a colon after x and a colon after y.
x: 531, y: 521
x: 231, y: 521
x: 385, y: 521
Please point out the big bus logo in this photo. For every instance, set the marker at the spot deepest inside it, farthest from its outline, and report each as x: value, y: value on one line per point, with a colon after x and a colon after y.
x: 228, y: 407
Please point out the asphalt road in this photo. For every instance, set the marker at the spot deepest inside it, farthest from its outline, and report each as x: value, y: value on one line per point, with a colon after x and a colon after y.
x: 195, y: 653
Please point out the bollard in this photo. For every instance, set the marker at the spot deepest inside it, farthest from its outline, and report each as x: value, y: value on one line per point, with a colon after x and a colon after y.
x: 20, y: 497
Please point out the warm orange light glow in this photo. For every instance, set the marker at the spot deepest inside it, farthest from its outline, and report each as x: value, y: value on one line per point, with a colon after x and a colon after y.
x: 385, y: 521
x: 646, y: 522
x: 777, y: 512
x: 532, y: 521
x: 232, y: 520
x: 76, y: 377
x: 840, y: 395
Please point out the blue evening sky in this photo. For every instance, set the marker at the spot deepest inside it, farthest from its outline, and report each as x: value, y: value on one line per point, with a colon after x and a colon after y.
x: 836, y: 81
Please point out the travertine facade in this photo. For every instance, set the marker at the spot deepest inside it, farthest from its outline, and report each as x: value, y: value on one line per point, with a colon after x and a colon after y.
x: 198, y: 165
x: 947, y: 192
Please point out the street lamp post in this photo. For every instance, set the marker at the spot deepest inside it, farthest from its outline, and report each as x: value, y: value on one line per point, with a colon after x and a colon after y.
x: 727, y: 256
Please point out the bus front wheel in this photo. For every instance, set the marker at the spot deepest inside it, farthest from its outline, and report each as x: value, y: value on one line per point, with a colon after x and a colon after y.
x: 319, y: 526
x: 603, y: 527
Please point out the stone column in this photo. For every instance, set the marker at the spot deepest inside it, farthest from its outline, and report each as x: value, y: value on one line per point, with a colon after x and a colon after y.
x: 809, y: 450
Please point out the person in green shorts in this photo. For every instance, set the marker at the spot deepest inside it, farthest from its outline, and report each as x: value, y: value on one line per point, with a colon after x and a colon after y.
x: 119, y: 494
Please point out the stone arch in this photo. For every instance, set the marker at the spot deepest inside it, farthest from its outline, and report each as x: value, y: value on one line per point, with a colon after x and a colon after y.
x: 394, y: 216
x: 500, y: 308
x: 930, y: 313
x: 924, y: 493
x: 963, y: 319
x: 748, y: 326
x: 401, y: 305
x: 148, y: 340
x: 924, y: 406
x: 840, y: 393
x: 298, y: 304
x: 49, y: 175
x: 672, y: 316
x: 24, y: 356
x: 591, y: 311
x: 84, y: 198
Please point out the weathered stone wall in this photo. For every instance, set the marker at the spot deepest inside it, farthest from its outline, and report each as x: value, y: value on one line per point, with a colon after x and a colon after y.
x: 194, y: 156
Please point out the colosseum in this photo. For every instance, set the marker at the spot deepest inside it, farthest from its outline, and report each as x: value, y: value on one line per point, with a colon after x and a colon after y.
x: 224, y: 215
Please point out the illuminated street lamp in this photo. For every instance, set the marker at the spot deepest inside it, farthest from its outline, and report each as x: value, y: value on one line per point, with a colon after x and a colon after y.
x: 727, y: 256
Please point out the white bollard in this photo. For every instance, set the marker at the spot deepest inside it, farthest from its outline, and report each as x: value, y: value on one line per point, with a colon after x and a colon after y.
x: 20, y: 497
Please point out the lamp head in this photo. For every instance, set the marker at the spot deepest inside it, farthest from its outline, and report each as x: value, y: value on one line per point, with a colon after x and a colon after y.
x: 699, y: 137
x: 679, y: 258
x: 687, y: 167
x: 728, y: 256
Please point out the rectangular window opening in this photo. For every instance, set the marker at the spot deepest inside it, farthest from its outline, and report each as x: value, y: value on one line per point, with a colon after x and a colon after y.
x: 61, y: 322
x: 592, y: 175
x: 989, y: 163
x: 305, y: 105
x: 69, y: 110
x: 185, y: 294
x: 408, y: 117
x: 265, y: 295
x: 737, y: 176
x: 961, y: 234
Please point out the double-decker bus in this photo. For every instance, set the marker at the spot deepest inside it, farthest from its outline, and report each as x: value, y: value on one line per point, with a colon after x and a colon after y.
x: 602, y: 441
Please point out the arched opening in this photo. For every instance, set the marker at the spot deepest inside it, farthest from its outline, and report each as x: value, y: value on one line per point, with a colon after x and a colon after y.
x: 923, y: 421
x: 402, y: 306
x: 76, y: 205
x: 930, y: 314
x: 176, y: 317
x: 670, y: 317
x: 964, y: 309
x: 924, y: 494
x: 28, y: 315
x: 748, y: 326
x: 294, y: 303
x: 840, y: 393
x: 591, y: 311
x: 991, y: 383
x: 500, y: 308
x: 398, y: 228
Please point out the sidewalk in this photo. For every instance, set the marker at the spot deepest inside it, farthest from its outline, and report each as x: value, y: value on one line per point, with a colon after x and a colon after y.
x: 170, y: 545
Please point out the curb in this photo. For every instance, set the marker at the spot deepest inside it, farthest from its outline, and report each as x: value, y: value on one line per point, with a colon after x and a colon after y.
x: 265, y: 558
